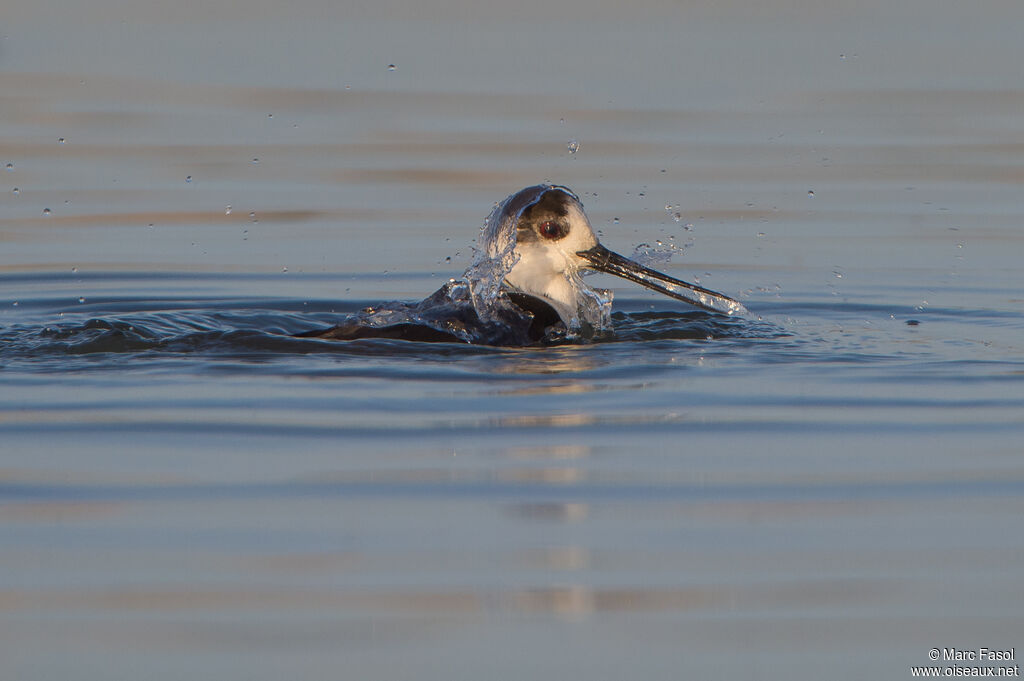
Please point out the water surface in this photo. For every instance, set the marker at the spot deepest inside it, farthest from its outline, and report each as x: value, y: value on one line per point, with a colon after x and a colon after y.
x: 829, y: 487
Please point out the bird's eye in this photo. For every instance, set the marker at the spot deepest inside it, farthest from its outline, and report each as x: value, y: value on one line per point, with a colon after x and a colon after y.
x: 552, y: 230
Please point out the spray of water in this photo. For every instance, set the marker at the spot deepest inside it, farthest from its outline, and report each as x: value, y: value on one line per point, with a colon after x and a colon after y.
x: 496, y: 256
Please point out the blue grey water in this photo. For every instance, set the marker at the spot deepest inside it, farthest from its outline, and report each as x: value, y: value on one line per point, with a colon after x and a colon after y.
x: 831, y: 486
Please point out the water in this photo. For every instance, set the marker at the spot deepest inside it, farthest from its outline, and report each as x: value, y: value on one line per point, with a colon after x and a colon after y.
x: 830, y: 486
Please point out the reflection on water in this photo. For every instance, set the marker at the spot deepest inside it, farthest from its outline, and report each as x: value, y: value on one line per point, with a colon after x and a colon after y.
x: 554, y: 453
x: 575, y: 601
x: 553, y: 512
x: 562, y: 360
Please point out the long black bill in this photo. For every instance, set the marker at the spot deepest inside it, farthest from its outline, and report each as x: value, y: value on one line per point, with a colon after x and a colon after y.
x: 603, y: 260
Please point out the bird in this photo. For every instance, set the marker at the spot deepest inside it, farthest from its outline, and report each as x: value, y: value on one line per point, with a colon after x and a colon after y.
x: 524, y: 285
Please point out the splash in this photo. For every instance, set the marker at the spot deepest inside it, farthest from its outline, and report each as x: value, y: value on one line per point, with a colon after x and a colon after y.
x: 496, y: 256
x: 483, y: 307
x: 475, y: 308
x: 593, y: 309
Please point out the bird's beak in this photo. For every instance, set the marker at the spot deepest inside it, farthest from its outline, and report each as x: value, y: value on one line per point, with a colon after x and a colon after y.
x: 603, y: 260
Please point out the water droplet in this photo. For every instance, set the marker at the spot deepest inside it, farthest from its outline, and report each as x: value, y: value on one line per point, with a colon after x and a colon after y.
x: 81, y: 299
x: 150, y: 225
x: 760, y: 235
x: 61, y: 141
x: 573, y: 145
x: 46, y: 211
x: 74, y: 269
x: 391, y: 67
x: 227, y: 209
x: 810, y: 193
x: 284, y: 269
x: 270, y: 115
x: 10, y: 166
x: 15, y: 303
x: 615, y: 221
x: 16, y: 190
x: 842, y: 56
x: 448, y: 259
x: 252, y: 216
x: 188, y: 179
x: 254, y: 161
